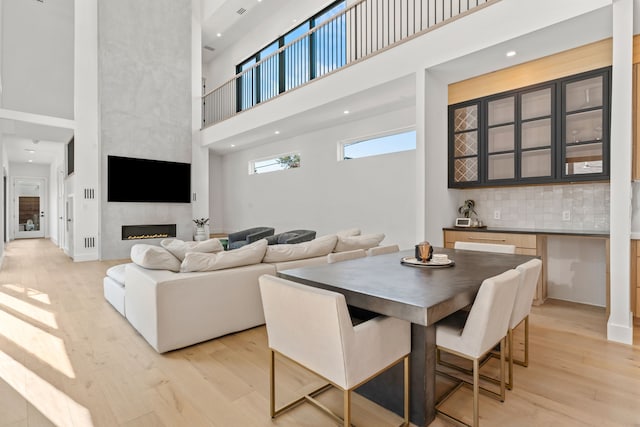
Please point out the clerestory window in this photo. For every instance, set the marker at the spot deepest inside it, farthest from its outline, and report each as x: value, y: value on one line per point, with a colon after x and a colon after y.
x: 390, y: 142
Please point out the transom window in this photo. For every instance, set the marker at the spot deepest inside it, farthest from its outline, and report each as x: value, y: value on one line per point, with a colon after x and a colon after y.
x: 393, y: 142
x: 274, y: 163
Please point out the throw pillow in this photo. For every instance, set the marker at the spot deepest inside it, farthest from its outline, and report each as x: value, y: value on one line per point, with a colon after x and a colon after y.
x: 291, y: 252
x: 365, y: 242
x: 154, y: 257
x: 179, y: 248
x: 246, y: 255
x: 348, y: 232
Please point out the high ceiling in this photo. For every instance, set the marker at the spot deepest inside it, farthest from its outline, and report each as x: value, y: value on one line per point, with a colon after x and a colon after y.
x: 41, y: 94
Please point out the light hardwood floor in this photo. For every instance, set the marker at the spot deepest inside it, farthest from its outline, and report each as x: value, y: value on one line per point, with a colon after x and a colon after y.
x: 67, y: 358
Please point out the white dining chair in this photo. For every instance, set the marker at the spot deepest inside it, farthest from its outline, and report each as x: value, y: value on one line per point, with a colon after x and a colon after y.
x: 474, y: 334
x: 346, y: 255
x: 383, y: 250
x: 485, y: 247
x: 311, y: 326
x: 529, y: 274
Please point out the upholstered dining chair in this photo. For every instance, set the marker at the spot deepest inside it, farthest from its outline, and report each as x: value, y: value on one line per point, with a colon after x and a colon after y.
x: 474, y: 334
x: 250, y: 235
x: 346, y: 255
x: 383, y: 250
x: 311, y: 326
x: 529, y: 274
x: 485, y: 247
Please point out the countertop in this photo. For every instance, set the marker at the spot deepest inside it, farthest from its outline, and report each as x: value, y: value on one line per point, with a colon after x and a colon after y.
x: 546, y: 231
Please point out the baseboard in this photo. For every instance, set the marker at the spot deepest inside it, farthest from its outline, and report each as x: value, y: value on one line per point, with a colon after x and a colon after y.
x: 85, y: 257
x: 621, y: 333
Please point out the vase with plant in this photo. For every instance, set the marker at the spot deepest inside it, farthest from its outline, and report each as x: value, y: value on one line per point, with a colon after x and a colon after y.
x: 467, y: 209
x: 200, y: 229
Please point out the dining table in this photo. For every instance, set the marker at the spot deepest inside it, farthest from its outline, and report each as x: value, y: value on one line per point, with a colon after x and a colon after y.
x: 420, y: 294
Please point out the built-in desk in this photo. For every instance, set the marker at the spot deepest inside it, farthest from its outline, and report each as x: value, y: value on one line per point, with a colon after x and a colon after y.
x: 527, y: 242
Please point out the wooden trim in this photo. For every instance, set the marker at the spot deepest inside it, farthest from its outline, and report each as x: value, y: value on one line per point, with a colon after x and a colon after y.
x: 634, y: 277
x: 636, y: 49
x: 635, y: 170
x: 573, y: 61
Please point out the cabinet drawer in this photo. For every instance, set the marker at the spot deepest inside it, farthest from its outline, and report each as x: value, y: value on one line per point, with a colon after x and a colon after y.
x: 521, y: 241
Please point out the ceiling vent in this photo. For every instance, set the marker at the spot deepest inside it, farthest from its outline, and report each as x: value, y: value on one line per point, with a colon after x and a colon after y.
x: 241, y: 11
x: 209, y: 48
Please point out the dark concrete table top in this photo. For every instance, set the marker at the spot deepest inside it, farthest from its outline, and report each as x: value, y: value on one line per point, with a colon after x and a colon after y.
x: 421, y: 295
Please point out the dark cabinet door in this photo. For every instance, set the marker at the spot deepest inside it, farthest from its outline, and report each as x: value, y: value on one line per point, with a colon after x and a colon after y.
x: 464, y: 160
x: 585, y: 127
x: 551, y: 132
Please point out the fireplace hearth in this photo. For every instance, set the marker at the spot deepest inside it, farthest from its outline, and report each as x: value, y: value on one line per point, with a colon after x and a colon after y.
x: 141, y: 232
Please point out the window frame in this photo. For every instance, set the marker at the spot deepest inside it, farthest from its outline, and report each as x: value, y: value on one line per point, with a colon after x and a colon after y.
x: 282, y: 83
x: 252, y: 163
x: 365, y: 138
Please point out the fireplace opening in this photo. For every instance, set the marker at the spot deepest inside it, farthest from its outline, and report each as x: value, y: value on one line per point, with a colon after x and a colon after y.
x: 156, y: 231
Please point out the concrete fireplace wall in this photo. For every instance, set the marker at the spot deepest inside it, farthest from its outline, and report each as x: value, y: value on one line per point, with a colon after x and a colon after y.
x: 144, y: 63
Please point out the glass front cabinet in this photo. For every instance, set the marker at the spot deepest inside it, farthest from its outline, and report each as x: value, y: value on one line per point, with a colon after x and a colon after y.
x: 550, y: 132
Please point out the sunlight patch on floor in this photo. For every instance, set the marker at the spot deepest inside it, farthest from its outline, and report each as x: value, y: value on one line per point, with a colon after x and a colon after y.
x: 31, y: 293
x: 36, y: 313
x: 59, y: 408
x: 46, y: 347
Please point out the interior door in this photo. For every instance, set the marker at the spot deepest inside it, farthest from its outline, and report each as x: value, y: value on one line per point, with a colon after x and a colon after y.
x: 68, y: 240
x: 30, y: 207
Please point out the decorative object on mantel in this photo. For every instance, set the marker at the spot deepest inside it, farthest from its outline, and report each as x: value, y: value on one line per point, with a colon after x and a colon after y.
x: 200, y: 234
x: 467, y: 210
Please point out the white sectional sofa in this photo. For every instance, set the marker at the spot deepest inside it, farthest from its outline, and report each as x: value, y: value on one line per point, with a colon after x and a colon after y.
x: 172, y: 309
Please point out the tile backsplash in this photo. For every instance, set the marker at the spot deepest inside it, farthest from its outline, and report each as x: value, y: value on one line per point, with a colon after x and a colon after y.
x: 543, y: 207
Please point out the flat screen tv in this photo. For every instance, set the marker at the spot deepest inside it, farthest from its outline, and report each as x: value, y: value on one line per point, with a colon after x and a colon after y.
x: 143, y: 180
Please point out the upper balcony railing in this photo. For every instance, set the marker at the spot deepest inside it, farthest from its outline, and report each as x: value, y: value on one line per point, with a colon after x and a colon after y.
x: 356, y: 33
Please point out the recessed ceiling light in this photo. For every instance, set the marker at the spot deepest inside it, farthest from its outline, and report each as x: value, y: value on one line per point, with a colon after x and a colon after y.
x: 30, y: 161
x: 219, y: 34
x: 277, y: 132
x: 346, y: 111
x: 29, y: 150
x: 511, y: 53
x: 233, y: 145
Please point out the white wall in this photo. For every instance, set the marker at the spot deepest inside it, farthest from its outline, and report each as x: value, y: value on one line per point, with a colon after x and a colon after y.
x: 216, y: 194
x: 375, y: 194
x: 37, y: 51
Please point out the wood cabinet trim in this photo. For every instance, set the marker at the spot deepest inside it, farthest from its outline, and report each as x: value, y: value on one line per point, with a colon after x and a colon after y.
x: 563, y: 64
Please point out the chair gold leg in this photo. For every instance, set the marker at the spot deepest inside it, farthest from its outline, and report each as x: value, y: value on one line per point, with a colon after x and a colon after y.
x: 476, y: 393
x: 510, y: 349
x: 347, y: 408
x: 525, y: 362
x: 526, y: 341
x: 502, y: 382
x: 272, y: 385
